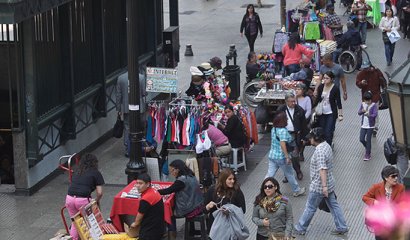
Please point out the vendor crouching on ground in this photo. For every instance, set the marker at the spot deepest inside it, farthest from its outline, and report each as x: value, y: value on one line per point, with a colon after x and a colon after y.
x: 150, y: 216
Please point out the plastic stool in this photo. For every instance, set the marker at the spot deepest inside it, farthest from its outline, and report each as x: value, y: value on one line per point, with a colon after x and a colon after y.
x: 235, y: 165
x: 201, y: 218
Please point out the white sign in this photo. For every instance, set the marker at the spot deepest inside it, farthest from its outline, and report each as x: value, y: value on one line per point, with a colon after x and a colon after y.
x: 162, y: 80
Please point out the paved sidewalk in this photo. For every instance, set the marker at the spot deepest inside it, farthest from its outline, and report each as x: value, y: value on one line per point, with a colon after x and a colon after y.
x: 211, y: 26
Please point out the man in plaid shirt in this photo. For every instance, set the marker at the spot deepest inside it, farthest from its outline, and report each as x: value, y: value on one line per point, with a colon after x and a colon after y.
x: 322, y: 185
x: 360, y: 8
x: 333, y: 22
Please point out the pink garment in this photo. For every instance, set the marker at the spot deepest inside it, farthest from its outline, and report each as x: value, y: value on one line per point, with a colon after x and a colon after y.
x: 185, y: 132
x: 216, y: 136
x: 293, y: 56
x: 73, y: 205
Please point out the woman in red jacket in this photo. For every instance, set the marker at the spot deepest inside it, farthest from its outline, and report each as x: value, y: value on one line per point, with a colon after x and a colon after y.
x: 293, y: 52
x: 390, y: 189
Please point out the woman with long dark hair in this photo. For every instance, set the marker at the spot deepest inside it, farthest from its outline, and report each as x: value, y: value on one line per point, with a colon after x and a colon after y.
x: 272, y: 212
x: 85, y: 180
x: 293, y: 52
x: 389, y: 23
x: 226, y: 190
x: 251, y: 23
x: 279, y: 156
x: 188, y: 195
x: 329, y: 95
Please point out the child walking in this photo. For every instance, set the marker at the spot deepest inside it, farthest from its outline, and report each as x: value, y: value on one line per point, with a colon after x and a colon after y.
x: 368, y: 112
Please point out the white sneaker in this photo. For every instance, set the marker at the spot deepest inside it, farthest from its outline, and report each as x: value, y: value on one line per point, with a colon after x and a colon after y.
x: 363, y: 46
x: 301, y: 192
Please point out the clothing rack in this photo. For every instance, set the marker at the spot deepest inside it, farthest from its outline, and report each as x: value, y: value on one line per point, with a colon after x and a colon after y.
x: 184, y: 101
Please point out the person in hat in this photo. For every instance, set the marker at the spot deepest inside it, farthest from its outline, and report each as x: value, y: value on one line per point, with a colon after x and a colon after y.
x: 322, y: 186
x: 197, y: 79
x: 371, y: 79
x: 389, y: 189
x: 216, y: 63
x: 333, y: 21
x: 251, y: 23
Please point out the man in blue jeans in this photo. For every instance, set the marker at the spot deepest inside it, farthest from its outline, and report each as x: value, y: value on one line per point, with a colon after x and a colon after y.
x: 360, y: 8
x: 322, y: 186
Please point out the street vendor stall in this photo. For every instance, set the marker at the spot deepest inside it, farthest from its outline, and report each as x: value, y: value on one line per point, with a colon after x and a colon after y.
x: 126, y: 202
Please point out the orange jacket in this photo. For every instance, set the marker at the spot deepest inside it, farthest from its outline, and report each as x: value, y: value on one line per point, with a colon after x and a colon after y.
x: 378, y: 192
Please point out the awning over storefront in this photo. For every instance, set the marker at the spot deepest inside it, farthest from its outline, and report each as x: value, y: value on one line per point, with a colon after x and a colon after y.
x: 14, y: 11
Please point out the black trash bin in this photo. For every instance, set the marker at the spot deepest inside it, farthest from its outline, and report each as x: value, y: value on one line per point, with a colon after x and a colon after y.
x: 233, y: 75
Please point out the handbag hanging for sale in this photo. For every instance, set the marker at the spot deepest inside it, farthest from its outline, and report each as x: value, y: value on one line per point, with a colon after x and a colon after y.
x: 118, y: 128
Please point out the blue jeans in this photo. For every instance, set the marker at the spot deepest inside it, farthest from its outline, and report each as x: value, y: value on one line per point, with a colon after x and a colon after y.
x: 291, y: 68
x: 336, y: 53
x: 275, y: 164
x: 362, y: 28
x: 366, y: 138
x: 328, y: 123
x: 389, y: 51
x: 312, y: 205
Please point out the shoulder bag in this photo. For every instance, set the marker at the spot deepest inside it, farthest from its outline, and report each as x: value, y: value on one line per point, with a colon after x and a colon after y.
x: 118, y: 128
x: 290, y: 146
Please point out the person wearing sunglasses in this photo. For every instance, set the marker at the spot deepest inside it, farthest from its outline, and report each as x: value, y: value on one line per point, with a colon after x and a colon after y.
x: 389, y: 189
x: 272, y: 212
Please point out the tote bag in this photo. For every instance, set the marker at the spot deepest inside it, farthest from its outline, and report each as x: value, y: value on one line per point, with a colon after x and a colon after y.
x: 394, y: 36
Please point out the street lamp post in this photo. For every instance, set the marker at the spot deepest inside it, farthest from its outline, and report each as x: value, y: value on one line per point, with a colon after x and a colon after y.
x: 135, y: 165
x: 398, y: 92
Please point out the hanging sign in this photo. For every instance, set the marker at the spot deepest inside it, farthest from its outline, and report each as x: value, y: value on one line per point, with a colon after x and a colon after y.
x: 162, y: 80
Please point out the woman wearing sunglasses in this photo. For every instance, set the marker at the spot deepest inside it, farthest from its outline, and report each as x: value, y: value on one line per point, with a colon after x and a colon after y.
x: 272, y: 212
x: 390, y: 189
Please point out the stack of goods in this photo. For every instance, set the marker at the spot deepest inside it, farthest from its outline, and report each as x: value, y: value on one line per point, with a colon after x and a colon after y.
x: 327, y: 46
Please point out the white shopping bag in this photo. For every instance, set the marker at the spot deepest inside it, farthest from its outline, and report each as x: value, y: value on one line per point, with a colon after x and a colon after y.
x: 394, y: 36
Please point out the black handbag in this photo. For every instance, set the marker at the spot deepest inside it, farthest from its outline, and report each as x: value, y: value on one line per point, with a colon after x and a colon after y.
x: 118, y: 128
x: 384, y: 102
x: 385, y: 37
x: 261, y: 114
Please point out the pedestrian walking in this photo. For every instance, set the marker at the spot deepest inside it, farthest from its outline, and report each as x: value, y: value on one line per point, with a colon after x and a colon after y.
x: 389, y: 24
x: 279, y: 154
x: 293, y: 52
x: 389, y: 189
x: 322, y: 186
x: 86, y: 179
x: 226, y: 190
x: 368, y: 112
x: 329, y: 104
x: 297, y: 128
x: 339, y: 77
x: 272, y: 212
x: 403, y: 7
x: 360, y: 9
x: 251, y: 23
x: 371, y: 79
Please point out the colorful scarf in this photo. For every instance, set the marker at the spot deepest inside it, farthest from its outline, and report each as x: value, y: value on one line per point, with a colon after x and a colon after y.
x: 271, y: 204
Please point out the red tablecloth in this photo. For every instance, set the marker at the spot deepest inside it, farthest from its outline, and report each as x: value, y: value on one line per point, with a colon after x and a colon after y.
x: 129, y: 206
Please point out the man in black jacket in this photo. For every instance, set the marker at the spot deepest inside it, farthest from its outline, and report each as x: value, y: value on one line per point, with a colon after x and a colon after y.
x: 297, y: 128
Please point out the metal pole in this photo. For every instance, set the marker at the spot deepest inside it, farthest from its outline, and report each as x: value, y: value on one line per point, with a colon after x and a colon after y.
x: 173, y: 13
x: 135, y: 165
x: 282, y: 13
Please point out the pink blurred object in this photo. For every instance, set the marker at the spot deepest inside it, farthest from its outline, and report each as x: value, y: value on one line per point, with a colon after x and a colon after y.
x: 403, y: 210
x: 381, y: 218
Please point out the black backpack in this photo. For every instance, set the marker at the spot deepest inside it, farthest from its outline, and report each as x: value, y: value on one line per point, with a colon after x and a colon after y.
x: 390, y: 151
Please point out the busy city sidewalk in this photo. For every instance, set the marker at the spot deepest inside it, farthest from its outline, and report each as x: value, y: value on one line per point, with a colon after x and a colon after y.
x: 211, y: 26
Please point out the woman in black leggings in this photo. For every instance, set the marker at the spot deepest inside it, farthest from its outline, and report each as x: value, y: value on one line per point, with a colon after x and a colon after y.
x: 251, y: 23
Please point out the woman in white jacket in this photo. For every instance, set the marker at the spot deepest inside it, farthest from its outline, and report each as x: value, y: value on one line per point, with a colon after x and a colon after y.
x: 388, y: 24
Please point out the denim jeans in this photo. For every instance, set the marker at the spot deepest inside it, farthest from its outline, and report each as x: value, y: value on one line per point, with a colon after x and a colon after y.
x: 366, y: 138
x: 312, y: 205
x: 362, y: 28
x: 275, y: 164
x: 389, y: 51
x: 336, y: 53
x: 291, y: 68
x: 328, y: 123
